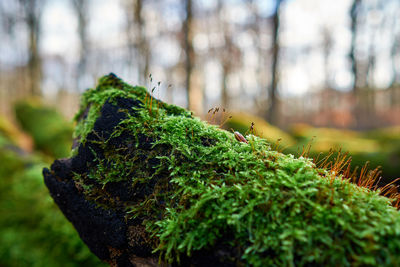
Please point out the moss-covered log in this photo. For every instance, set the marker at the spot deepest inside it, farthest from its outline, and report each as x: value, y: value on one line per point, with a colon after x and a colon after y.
x: 150, y: 184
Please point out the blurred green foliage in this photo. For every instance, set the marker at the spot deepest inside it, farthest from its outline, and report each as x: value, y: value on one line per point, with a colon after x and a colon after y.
x: 325, y: 139
x: 33, y: 231
x: 8, y: 132
x: 379, y: 147
x: 51, y: 133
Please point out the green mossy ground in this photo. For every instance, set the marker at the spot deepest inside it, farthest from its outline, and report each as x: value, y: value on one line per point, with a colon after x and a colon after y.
x: 379, y: 147
x: 33, y: 231
x: 206, y: 188
x: 8, y: 132
x: 49, y: 130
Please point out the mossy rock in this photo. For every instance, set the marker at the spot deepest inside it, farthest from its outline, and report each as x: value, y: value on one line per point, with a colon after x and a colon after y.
x: 51, y: 133
x: 149, y: 181
x: 241, y: 122
x: 33, y: 231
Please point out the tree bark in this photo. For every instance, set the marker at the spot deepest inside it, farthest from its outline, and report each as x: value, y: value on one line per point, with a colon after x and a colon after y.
x: 395, y: 82
x: 143, y: 46
x: 327, y: 48
x: 225, y: 56
x: 189, y: 53
x: 138, y: 45
x: 273, y: 107
x: 81, y: 10
x: 32, y: 12
x: 354, y: 31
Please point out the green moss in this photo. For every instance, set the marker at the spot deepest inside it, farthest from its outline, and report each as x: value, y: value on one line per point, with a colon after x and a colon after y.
x: 49, y: 130
x: 33, y: 231
x: 110, y: 88
x: 241, y: 122
x: 206, y: 188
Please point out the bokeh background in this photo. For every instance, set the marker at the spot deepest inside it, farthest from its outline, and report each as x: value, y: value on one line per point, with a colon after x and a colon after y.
x: 303, y: 71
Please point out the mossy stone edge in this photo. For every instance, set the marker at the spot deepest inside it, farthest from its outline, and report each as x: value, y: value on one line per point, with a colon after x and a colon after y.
x: 148, y: 180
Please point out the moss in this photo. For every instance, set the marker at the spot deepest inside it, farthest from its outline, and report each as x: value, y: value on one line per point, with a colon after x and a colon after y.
x: 33, y: 232
x: 110, y: 89
x: 49, y: 130
x: 241, y: 122
x: 195, y: 187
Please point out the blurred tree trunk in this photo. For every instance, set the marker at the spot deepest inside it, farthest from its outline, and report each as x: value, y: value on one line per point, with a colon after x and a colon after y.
x: 32, y: 13
x: 143, y: 46
x: 325, y: 100
x: 368, y: 102
x: 370, y: 81
x: 395, y: 62
x: 138, y: 45
x: 327, y: 48
x: 354, y: 14
x: 225, y: 94
x: 273, y: 107
x: 194, y: 92
x: 354, y: 30
x: 394, y: 53
x: 81, y: 9
x: 224, y: 55
x: 395, y: 82
x: 263, y: 68
x: 131, y: 39
x: 189, y: 52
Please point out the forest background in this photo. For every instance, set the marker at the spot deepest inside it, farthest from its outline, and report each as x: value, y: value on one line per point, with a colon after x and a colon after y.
x: 325, y: 73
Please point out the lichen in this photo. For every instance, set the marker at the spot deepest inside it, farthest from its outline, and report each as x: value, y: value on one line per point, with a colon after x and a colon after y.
x: 194, y: 186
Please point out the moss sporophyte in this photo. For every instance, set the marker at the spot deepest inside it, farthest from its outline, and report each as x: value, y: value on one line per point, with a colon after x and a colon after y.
x: 194, y: 187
